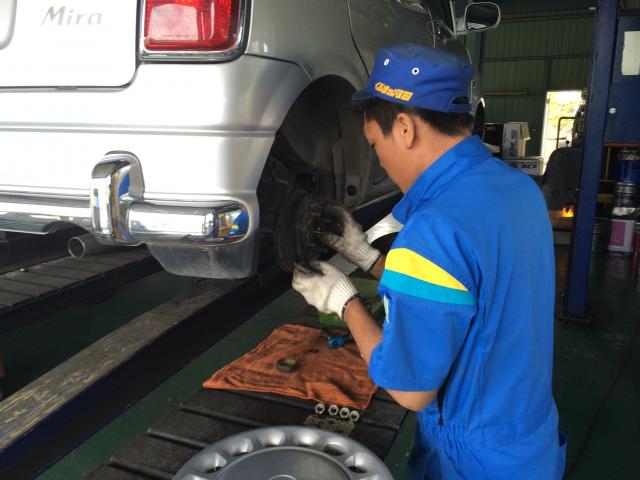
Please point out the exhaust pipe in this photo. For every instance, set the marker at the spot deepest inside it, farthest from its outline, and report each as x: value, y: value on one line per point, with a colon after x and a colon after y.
x: 83, y: 245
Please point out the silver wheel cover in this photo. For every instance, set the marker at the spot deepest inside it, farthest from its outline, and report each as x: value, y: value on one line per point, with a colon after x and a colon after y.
x: 285, y: 453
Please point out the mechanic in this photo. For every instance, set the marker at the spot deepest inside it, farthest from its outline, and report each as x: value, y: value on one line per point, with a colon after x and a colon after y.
x: 468, y: 285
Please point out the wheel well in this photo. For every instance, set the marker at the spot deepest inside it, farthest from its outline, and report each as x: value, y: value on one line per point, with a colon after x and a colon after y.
x: 319, y: 146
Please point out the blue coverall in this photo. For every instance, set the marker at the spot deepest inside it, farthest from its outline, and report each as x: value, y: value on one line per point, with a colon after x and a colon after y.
x: 469, y: 289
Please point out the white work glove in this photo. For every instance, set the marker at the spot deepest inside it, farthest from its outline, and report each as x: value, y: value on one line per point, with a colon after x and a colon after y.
x: 352, y: 244
x: 327, y: 289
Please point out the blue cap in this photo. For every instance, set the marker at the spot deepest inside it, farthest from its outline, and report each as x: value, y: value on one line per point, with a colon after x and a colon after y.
x: 419, y: 76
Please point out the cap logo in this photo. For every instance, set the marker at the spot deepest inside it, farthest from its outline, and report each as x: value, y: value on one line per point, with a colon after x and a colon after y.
x: 397, y: 93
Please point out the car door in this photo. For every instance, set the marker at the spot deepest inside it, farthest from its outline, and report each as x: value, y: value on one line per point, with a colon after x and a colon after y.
x: 382, y: 23
x: 441, y: 25
x: 376, y: 25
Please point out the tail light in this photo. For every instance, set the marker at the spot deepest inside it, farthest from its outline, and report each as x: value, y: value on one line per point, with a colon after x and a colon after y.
x: 191, y: 25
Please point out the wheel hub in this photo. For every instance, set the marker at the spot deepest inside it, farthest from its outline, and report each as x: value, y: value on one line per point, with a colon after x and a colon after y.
x: 298, y: 228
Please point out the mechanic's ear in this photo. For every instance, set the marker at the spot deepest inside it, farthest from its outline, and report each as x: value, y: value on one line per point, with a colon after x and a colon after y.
x: 406, y: 129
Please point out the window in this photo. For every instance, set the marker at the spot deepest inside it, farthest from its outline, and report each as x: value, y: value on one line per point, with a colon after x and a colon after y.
x: 439, y: 10
x: 416, y: 3
x: 560, y: 110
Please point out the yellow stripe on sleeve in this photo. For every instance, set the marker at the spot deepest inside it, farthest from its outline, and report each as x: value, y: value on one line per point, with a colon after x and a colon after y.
x: 408, y: 262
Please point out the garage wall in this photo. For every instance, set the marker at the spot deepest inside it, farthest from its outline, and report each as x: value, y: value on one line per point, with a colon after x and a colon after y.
x: 527, y: 55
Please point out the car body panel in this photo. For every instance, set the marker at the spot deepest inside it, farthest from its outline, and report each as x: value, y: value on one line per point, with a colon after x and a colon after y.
x: 384, y: 23
x: 214, y: 122
x: 289, y: 30
x: 199, y: 131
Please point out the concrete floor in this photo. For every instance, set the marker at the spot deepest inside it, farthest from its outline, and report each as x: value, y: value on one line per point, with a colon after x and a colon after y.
x: 586, y: 359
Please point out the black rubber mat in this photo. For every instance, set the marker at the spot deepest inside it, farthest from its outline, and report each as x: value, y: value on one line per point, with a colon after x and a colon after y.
x: 39, y: 279
x: 113, y: 473
x: 28, y: 289
x: 35, y: 289
x: 57, y: 271
x: 8, y: 299
x: 211, y: 415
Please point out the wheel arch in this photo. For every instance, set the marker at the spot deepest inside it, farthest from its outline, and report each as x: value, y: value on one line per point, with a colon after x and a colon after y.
x: 320, y: 132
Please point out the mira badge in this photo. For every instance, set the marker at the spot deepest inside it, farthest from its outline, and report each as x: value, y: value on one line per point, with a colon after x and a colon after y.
x: 67, y: 17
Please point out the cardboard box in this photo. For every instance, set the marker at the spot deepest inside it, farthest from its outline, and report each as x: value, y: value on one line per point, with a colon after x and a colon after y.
x: 528, y: 165
x: 514, y: 139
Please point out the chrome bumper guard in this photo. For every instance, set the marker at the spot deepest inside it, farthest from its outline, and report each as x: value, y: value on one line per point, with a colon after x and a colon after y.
x: 116, y: 214
x: 223, y: 224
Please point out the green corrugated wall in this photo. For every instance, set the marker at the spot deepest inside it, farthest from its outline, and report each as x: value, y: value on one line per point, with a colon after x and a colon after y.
x: 528, y: 55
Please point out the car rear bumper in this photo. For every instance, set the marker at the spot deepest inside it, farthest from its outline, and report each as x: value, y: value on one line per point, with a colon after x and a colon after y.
x: 213, y: 240
x: 192, y: 139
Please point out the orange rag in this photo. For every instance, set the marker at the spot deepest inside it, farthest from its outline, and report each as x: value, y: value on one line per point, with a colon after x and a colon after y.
x: 337, y: 376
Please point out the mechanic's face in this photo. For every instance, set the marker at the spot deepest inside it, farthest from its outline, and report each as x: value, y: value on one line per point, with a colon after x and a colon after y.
x: 389, y: 151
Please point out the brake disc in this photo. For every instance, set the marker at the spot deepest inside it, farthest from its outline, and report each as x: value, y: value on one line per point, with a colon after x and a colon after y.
x: 296, y: 235
x: 285, y: 453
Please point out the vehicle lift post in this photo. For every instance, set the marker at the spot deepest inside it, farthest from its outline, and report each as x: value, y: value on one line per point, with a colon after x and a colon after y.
x: 595, y: 124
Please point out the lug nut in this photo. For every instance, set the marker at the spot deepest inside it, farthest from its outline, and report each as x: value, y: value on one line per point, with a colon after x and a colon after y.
x: 344, y: 413
x: 320, y: 408
x: 354, y: 415
x: 333, y: 410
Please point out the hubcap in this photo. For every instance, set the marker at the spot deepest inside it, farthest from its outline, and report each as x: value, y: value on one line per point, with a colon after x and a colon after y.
x: 285, y: 453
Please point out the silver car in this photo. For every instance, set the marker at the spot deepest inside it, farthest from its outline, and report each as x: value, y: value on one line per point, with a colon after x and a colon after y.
x: 197, y: 127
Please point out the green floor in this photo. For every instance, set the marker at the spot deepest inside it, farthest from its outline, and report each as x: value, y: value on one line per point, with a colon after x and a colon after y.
x: 586, y: 360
